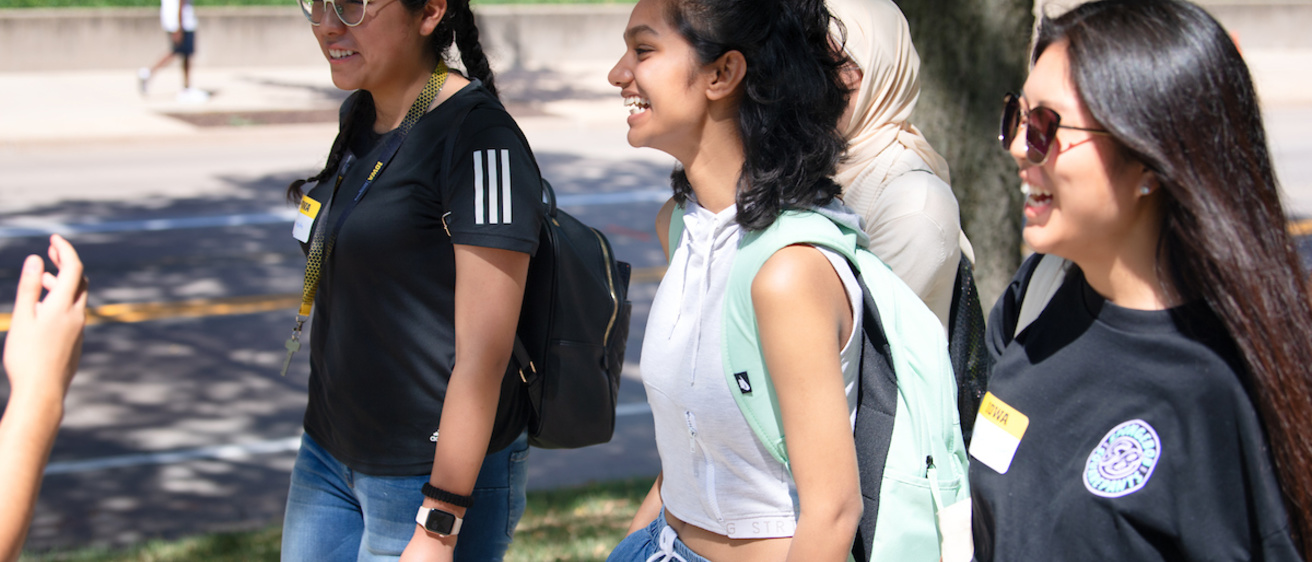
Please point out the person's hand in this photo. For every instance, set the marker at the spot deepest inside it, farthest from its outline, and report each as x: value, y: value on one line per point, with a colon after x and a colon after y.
x: 176, y: 36
x: 427, y: 547
x: 45, y: 335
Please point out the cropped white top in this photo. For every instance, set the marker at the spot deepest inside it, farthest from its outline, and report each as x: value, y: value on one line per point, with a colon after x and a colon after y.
x: 716, y: 474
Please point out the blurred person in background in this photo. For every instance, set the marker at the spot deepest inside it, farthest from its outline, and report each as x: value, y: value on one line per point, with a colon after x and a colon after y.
x: 178, y: 18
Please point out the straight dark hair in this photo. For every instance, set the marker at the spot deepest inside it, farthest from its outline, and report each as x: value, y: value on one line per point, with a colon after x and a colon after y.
x: 458, y: 27
x: 1169, y: 84
x: 792, y: 99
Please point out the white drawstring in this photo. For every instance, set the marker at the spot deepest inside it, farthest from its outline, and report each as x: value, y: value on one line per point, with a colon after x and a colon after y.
x: 667, y: 553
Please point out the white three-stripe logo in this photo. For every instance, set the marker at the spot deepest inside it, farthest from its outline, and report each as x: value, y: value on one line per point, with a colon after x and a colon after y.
x: 492, y: 186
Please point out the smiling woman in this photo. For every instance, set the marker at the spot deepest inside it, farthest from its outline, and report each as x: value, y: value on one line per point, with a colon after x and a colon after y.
x: 745, y: 95
x: 415, y: 295
x: 1157, y: 407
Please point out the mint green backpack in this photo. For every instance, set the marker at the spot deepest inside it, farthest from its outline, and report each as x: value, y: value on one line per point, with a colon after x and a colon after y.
x: 910, y: 450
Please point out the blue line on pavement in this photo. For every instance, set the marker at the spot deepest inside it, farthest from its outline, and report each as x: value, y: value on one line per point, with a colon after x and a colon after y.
x: 283, y: 216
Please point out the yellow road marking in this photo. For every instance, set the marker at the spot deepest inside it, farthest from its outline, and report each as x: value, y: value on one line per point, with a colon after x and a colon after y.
x: 147, y: 311
x: 647, y: 275
x: 1300, y: 228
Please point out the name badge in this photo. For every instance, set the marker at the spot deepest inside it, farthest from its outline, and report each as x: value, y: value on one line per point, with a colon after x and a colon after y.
x: 305, y: 219
x: 998, y: 431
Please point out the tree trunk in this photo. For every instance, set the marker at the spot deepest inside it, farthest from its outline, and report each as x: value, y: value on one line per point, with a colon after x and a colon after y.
x: 972, y: 52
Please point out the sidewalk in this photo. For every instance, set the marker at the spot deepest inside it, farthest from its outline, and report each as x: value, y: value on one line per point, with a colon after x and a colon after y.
x: 107, y: 106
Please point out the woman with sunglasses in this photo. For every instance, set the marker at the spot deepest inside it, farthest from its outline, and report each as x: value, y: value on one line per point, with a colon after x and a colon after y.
x: 1158, y: 407
x: 418, y: 233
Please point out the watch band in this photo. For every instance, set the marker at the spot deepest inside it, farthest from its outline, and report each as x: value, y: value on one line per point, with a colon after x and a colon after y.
x: 441, y: 495
x: 440, y: 521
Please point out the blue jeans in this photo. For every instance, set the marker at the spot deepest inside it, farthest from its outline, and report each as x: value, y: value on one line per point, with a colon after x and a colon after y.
x: 655, y: 542
x: 337, y: 514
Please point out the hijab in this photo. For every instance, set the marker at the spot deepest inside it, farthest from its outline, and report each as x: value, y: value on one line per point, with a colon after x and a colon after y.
x: 879, y: 42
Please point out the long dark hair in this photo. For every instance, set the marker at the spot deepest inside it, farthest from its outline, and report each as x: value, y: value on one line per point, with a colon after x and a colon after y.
x: 1169, y: 84
x: 458, y: 27
x: 792, y: 99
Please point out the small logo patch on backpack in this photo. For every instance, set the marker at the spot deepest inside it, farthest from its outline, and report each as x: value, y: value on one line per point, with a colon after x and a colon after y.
x: 744, y: 385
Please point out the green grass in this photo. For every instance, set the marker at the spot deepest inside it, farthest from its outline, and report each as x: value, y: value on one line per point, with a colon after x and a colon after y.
x: 154, y: 3
x: 573, y: 524
x: 576, y: 524
x: 221, y: 547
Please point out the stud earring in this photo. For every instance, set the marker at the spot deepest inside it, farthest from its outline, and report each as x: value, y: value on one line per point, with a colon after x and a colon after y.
x: 1145, y: 190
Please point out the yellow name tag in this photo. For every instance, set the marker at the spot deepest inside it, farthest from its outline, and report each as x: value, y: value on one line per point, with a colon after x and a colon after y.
x: 998, y: 431
x: 308, y: 210
x: 309, y: 207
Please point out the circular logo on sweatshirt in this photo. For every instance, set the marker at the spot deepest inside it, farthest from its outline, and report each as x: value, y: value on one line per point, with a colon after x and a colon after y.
x: 1123, y: 461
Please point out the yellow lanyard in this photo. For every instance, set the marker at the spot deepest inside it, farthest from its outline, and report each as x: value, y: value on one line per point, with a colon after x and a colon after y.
x: 321, y: 246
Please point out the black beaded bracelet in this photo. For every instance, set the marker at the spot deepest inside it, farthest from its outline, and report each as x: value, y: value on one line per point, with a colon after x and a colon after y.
x: 441, y: 495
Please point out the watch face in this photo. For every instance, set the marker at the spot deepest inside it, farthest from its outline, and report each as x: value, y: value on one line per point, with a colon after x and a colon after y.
x: 440, y: 522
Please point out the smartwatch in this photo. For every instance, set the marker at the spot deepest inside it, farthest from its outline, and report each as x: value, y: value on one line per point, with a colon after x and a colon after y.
x: 438, y: 520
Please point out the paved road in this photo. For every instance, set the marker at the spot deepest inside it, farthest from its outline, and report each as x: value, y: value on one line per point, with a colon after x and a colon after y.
x: 179, y: 425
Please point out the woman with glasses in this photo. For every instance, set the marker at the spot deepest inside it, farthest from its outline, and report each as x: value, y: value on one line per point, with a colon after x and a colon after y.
x: 1157, y: 407
x: 418, y: 233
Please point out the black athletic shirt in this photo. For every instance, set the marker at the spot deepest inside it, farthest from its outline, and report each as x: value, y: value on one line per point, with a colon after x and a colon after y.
x: 382, y: 338
x: 1142, y: 442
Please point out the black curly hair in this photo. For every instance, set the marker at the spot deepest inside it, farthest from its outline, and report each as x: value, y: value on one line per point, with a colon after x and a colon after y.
x: 792, y: 98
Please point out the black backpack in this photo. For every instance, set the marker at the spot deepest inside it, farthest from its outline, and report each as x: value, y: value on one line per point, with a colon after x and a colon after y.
x: 564, y: 376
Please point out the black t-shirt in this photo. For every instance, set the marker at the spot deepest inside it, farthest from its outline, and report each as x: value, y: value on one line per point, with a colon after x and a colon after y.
x: 1141, y: 444
x: 383, y: 338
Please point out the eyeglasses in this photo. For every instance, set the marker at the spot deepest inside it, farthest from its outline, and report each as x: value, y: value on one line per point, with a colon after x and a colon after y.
x: 350, y: 12
x: 1041, y: 126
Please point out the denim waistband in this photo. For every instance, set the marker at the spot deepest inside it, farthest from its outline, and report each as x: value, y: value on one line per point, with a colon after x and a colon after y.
x: 671, y: 549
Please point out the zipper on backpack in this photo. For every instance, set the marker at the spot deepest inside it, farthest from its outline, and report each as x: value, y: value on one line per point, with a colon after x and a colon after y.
x: 610, y: 283
x: 931, y: 473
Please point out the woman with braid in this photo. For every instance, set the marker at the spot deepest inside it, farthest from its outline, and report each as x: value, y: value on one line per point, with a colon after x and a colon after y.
x: 418, y: 233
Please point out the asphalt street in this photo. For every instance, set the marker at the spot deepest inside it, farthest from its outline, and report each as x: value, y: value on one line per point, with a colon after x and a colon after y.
x: 181, y: 424
x: 178, y: 421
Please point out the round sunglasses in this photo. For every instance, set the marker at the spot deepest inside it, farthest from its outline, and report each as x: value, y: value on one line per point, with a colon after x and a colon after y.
x: 1041, y: 126
x: 351, y: 12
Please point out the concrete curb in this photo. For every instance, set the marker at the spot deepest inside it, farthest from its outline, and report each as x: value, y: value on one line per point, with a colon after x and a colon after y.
x: 514, y: 36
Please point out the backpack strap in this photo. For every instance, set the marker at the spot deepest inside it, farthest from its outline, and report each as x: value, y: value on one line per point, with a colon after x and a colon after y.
x: 741, y: 352
x: 1047, y: 277
x: 906, y: 412
x: 520, y: 357
x: 676, y: 230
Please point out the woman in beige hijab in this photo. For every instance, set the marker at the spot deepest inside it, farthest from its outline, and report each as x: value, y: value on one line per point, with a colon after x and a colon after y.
x: 892, y: 177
